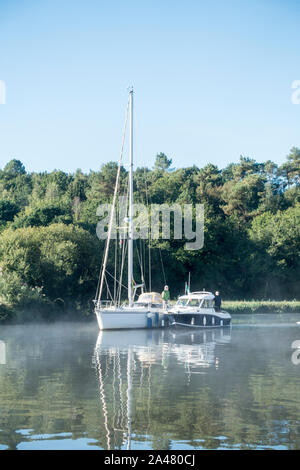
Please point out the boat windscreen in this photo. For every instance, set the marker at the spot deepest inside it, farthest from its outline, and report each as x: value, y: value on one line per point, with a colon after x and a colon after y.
x: 181, y: 302
x: 207, y: 303
x: 193, y: 303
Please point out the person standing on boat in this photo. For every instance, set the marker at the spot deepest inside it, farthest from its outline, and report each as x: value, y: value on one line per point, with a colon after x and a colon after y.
x: 218, y: 301
x: 165, y: 296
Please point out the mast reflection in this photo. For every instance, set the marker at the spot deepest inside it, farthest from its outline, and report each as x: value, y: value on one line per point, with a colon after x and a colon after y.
x: 127, y: 363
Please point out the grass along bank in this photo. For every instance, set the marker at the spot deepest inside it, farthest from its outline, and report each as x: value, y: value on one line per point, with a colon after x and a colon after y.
x: 261, y: 306
x: 53, y: 312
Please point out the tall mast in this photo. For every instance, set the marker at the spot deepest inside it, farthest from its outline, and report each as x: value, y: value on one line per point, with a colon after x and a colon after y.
x: 130, y: 214
x: 103, y: 269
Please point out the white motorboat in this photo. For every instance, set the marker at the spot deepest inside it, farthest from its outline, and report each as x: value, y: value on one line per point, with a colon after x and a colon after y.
x: 196, y: 310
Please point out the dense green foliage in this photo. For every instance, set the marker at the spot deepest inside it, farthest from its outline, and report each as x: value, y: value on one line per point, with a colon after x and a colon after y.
x: 49, y: 249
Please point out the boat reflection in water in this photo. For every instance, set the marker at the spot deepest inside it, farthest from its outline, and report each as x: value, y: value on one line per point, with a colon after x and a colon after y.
x: 2, y: 352
x: 135, y: 370
x: 197, y: 349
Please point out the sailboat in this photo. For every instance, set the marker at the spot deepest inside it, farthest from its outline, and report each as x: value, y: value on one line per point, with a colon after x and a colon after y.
x: 147, y: 311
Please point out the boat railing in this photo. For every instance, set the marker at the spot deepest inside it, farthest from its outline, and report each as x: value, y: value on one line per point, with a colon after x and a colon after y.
x: 104, y: 304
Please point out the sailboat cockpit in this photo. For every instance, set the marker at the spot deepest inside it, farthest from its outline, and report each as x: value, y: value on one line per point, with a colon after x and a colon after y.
x: 150, y: 300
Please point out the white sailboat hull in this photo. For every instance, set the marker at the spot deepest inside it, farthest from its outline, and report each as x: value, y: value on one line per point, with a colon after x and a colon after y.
x: 121, y: 319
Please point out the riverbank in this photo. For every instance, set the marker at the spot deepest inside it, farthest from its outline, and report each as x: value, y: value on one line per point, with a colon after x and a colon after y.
x: 261, y: 306
x: 53, y: 313
x: 45, y: 313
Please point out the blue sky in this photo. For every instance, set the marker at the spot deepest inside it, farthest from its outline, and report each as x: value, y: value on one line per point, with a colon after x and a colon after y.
x: 212, y: 80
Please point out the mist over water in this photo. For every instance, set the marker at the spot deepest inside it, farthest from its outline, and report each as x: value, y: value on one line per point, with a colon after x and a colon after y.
x: 65, y: 386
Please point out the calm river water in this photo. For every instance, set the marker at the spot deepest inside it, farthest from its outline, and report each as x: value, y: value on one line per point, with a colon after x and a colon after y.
x: 63, y: 386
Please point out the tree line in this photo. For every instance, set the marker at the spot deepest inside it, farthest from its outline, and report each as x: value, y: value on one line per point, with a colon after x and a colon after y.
x: 50, y: 254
